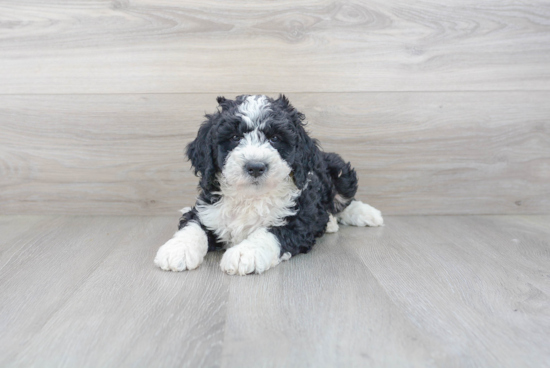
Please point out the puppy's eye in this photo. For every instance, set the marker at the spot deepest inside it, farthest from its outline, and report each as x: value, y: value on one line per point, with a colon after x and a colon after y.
x: 274, y: 139
x: 235, y: 138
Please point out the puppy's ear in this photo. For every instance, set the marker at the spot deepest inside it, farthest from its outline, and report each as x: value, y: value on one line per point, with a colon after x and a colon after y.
x: 307, y: 154
x: 307, y: 150
x: 285, y: 103
x: 224, y: 103
x: 201, y: 153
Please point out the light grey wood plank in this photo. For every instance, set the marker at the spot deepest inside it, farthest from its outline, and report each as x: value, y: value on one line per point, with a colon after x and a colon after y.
x: 130, y: 313
x: 530, y: 224
x: 481, y: 304
x: 415, y: 153
x: 520, y: 240
x: 37, y: 280
x: 13, y: 226
x: 19, y: 232
x: 322, y: 309
x: 152, y: 46
x: 421, y: 291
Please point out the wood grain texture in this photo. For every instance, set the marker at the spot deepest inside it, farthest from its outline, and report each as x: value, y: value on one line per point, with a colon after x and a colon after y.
x: 150, y: 46
x: 13, y: 227
x: 475, y: 275
x: 415, y: 153
x: 323, y: 309
x: 47, y: 265
x: 423, y: 291
x: 129, y: 313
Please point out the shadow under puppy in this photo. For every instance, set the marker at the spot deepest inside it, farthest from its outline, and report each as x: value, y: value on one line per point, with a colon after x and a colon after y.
x: 266, y: 190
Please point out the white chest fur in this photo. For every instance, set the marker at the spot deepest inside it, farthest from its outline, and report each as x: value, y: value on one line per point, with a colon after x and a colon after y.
x: 237, y: 214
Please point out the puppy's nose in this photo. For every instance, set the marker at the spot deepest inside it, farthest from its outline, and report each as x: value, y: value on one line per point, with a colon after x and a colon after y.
x: 255, y: 168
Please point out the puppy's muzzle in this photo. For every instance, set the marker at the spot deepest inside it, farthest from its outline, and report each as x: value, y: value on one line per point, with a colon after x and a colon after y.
x: 255, y: 168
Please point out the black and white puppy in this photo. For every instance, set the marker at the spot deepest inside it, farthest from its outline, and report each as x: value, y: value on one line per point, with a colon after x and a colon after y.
x: 266, y: 190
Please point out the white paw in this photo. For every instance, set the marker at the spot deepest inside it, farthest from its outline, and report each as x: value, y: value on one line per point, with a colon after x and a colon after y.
x: 360, y: 214
x: 256, y: 254
x: 185, y: 251
x: 332, y: 225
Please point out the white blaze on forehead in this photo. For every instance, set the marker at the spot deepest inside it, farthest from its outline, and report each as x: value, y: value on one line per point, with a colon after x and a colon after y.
x: 253, y: 110
x: 255, y: 138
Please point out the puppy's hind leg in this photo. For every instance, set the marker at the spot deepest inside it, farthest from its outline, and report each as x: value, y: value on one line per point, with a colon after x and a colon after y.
x: 332, y: 225
x: 184, y: 210
x: 358, y: 213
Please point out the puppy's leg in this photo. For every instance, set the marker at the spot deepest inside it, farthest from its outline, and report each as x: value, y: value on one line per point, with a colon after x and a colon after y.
x: 186, y: 249
x: 257, y: 253
x: 360, y: 214
x: 184, y: 210
x: 332, y: 224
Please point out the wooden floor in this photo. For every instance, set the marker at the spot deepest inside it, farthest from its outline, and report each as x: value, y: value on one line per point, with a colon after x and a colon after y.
x: 441, y: 291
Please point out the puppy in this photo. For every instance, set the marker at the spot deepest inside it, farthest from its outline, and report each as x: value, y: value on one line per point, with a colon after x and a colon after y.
x: 266, y: 190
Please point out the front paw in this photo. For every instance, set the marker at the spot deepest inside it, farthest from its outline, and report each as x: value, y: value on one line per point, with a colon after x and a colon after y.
x: 249, y: 256
x: 185, y: 251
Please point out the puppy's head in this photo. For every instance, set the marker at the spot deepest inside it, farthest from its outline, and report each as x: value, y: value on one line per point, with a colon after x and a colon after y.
x: 252, y: 144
